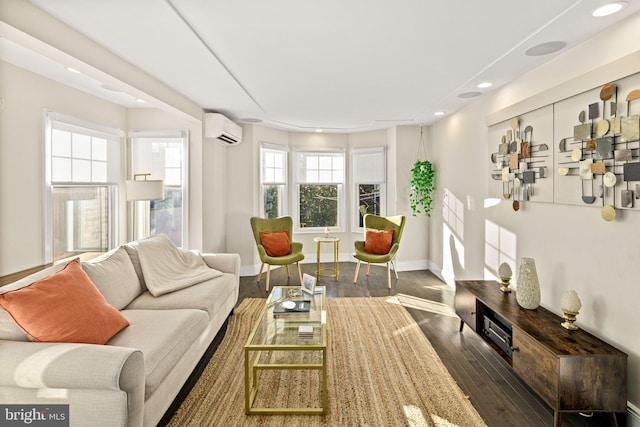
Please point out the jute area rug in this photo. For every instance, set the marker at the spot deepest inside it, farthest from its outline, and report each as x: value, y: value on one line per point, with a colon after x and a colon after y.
x: 381, y: 371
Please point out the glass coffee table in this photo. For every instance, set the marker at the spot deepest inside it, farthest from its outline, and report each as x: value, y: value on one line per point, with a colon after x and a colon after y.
x: 287, y: 342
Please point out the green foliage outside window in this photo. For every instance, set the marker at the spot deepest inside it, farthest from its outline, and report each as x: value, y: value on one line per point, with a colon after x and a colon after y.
x: 422, y: 186
x: 271, y: 198
x: 318, y: 205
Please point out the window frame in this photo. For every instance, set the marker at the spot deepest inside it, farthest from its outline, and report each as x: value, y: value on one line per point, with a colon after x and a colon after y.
x: 184, y: 172
x: 115, y: 138
x: 299, y: 155
x: 284, y: 184
x: 377, y: 178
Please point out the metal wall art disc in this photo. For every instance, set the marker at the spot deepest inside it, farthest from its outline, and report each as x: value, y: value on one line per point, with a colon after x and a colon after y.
x: 602, y: 127
x: 576, y: 154
x: 563, y: 171
x: 608, y: 213
x: 609, y: 179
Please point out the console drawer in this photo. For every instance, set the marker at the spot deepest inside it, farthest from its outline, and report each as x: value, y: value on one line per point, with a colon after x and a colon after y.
x: 465, y: 305
x: 536, y: 366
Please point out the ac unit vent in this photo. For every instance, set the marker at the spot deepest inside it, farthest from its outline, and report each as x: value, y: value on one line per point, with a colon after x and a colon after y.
x: 217, y: 126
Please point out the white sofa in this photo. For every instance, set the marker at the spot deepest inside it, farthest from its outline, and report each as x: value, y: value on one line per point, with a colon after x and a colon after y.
x: 133, y: 378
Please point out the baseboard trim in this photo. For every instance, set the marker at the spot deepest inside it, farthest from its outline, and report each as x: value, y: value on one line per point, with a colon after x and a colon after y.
x: 633, y: 415
x: 253, y: 270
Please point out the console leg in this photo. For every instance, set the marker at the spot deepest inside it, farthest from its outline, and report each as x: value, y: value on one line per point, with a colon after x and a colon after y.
x: 557, y: 419
x: 613, y: 420
x: 461, y: 325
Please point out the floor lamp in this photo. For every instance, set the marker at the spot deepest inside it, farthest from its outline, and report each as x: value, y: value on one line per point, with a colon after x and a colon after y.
x: 143, y: 190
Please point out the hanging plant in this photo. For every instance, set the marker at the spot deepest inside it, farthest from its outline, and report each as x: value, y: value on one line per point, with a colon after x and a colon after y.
x: 422, y: 186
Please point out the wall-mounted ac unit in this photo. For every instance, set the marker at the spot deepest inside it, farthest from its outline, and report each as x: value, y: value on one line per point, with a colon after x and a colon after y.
x: 219, y: 127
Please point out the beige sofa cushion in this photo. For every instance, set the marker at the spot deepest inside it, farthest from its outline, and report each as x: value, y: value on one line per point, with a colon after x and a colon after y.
x: 208, y: 296
x: 114, y: 275
x: 163, y: 336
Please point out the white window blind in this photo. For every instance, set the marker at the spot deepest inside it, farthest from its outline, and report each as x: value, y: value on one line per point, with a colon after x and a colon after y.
x: 369, y: 165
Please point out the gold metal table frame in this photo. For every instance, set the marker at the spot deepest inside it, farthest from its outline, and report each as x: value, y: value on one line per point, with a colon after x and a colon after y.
x: 334, y: 272
x: 279, y: 333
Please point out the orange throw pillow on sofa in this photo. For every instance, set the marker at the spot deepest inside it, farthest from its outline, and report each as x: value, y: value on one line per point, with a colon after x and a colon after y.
x: 378, y: 241
x: 64, y: 307
x: 276, y: 244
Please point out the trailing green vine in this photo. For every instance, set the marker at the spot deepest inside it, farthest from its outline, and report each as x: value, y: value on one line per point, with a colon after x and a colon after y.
x: 422, y: 186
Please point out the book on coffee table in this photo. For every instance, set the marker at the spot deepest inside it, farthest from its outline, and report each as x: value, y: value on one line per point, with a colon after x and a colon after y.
x: 292, y: 307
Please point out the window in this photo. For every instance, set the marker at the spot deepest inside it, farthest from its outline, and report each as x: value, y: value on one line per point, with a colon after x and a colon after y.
x: 368, y: 173
x: 82, y: 169
x: 320, y: 180
x: 163, y: 155
x: 273, y: 181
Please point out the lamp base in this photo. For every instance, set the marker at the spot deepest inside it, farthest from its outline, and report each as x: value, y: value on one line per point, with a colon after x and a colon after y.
x: 505, y: 281
x: 569, y: 318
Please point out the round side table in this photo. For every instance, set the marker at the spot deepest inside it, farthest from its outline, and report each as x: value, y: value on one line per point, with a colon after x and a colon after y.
x: 330, y: 272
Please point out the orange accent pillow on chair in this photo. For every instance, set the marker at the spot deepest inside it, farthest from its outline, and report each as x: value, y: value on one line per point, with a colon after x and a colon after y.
x: 277, y: 243
x: 378, y: 241
x: 64, y: 307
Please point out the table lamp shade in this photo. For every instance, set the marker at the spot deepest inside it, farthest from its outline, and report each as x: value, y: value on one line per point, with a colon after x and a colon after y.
x: 145, y: 190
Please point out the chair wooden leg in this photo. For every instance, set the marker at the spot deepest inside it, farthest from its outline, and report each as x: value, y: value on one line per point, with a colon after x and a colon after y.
x: 355, y: 278
x: 288, y: 272
x: 389, y: 274
x: 260, y: 274
x: 395, y: 269
x: 299, y: 272
x: 368, y: 267
x: 268, y: 277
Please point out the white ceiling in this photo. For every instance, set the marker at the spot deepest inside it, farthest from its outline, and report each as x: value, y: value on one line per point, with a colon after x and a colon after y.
x: 337, y: 65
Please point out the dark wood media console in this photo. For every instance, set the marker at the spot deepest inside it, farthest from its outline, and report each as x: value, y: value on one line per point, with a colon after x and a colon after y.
x: 572, y: 371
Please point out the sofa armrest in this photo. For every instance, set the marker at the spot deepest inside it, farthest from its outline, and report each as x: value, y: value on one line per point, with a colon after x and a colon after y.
x: 68, y: 365
x: 26, y: 364
x: 227, y: 263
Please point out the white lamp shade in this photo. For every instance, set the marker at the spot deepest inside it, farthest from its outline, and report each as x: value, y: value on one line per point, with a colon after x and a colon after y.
x: 145, y: 190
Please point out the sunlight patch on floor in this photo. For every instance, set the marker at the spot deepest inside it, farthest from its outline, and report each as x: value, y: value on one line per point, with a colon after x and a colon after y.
x: 426, y: 305
x: 414, y: 416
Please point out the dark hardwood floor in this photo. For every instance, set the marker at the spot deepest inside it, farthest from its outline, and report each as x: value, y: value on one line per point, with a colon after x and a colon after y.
x: 500, y: 397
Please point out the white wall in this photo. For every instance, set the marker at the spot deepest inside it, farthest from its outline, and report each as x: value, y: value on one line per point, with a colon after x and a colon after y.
x: 26, y: 96
x: 573, y: 247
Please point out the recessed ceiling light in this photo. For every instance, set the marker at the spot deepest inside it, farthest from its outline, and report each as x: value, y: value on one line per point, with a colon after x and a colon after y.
x: 485, y: 85
x: 319, y: 130
x: 439, y: 113
x: 609, y: 9
x: 469, y: 95
x: 109, y: 88
x: 141, y: 101
x: 545, y: 48
x: 72, y: 70
x: 251, y: 120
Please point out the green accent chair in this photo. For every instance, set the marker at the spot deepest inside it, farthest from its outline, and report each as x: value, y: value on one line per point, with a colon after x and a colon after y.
x: 274, y: 225
x: 380, y: 223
